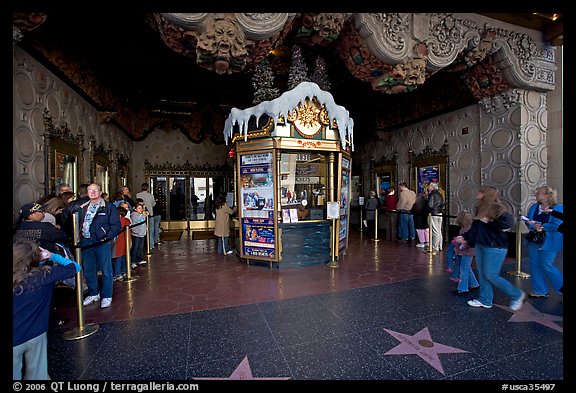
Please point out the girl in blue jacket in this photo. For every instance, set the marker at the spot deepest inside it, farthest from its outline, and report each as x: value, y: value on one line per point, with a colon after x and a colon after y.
x: 32, y: 288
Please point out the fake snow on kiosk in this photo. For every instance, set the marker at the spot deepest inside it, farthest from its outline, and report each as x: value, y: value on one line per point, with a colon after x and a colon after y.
x: 293, y: 177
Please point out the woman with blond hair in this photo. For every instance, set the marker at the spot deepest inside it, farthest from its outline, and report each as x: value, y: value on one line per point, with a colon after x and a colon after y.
x: 542, y: 255
x: 488, y: 236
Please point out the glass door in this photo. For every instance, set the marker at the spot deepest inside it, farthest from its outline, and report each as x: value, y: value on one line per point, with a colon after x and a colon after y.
x: 158, y: 187
x: 177, y: 199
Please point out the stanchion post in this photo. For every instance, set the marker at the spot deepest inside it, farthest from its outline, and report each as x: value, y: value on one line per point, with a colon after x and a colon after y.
x: 376, y: 225
x: 148, y: 250
x: 518, y: 272
x: 129, y: 276
x: 82, y: 330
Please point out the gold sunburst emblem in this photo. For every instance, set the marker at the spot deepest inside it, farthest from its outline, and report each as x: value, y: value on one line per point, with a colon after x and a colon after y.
x: 307, y: 121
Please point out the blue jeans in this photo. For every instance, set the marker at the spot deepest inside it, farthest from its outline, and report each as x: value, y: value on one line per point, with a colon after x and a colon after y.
x: 489, y: 262
x: 223, y: 241
x: 541, y: 267
x: 152, y: 230
x: 157, y: 222
x: 451, y: 257
x: 137, y: 250
x: 94, y: 259
x: 119, y: 265
x: 467, y: 277
x: 406, y: 225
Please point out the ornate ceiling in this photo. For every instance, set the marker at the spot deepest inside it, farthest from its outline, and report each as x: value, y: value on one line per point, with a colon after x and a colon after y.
x: 186, y: 70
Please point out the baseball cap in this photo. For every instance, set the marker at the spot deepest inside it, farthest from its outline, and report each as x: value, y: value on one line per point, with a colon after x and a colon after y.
x: 30, y: 208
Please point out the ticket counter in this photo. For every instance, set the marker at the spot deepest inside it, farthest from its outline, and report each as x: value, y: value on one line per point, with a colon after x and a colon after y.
x: 289, y: 170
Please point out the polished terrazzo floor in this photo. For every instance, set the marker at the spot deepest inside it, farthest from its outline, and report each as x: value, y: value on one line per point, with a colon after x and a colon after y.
x: 386, y: 314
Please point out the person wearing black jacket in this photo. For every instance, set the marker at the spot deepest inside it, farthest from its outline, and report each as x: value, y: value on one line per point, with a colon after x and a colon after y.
x: 488, y: 237
x: 33, y: 228
x: 435, y: 204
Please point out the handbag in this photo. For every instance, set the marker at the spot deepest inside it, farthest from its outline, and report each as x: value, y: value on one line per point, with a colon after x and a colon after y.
x: 536, y: 237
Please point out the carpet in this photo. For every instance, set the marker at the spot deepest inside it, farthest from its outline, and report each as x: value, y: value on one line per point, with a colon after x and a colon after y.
x: 203, y: 235
x: 170, y: 235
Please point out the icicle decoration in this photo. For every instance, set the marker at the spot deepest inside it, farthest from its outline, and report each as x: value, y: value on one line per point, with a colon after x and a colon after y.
x: 282, y: 105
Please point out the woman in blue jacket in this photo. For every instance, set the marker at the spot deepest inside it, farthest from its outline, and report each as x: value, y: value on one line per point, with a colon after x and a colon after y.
x: 542, y: 255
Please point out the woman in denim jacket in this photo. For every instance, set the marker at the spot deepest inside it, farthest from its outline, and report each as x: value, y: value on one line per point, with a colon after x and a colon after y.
x: 542, y: 256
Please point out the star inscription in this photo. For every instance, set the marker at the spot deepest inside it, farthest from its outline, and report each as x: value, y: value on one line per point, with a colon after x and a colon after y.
x: 243, y: 372
x: 421, y: 344
x: 529, y: 314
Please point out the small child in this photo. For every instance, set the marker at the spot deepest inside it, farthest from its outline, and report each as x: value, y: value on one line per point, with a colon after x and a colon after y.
x: 464, y: 253
x: 138, y: 235
x: 119, y: 252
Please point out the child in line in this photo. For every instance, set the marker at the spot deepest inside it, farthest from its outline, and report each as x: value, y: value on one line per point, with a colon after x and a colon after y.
x: 32, y: 288
x: 138, y: 228
x: 119, y: 252
x: 464, y: 254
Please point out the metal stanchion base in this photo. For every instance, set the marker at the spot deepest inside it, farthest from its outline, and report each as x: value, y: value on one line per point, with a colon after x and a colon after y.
x: 519, y: 274
x: 78, y: 333
x: 333, y: 263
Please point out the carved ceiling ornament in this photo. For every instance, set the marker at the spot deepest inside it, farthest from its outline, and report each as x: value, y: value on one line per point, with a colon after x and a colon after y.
x: 321, y: 28
x: 395, y: 52
x: 485, y: 79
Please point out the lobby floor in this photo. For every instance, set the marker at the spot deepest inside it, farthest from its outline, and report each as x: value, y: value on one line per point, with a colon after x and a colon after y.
x: 386, y: 313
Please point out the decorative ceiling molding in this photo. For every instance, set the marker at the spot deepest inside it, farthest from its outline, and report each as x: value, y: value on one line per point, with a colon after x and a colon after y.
x: 394, y: 52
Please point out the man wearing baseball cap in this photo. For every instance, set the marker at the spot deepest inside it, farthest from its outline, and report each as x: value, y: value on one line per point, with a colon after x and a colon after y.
x: 31, y: 227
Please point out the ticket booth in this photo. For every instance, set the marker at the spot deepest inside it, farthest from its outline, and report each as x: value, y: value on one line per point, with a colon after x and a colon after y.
x: 293, y: 171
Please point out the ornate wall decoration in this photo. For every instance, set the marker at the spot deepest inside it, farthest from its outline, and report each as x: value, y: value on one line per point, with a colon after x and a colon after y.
x: 485, y: 79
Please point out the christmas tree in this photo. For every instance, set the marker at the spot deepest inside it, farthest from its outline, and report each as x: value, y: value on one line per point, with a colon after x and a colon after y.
x: 263, y: 83
x: 298, y: 69
x: 319, y: 75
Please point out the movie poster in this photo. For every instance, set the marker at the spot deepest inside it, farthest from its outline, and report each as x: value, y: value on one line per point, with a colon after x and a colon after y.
x: 344, y: 203
x: 427, y: 174
x: 257, y: 205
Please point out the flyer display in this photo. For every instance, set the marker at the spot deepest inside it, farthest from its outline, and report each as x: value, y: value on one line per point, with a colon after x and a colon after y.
x: 257, y: 204
x: 344, y: 203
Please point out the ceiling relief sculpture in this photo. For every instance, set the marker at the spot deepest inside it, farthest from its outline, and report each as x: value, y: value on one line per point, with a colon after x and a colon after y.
x: 396, y: 53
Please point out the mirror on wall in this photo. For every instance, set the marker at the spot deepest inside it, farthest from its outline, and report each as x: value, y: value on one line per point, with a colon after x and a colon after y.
x: 385, y: 178
x: 62, y: 155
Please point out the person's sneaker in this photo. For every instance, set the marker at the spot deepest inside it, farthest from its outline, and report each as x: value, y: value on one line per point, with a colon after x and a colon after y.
x: 91, y: 299
x: 420, y: 245
x: 106, y: 302
x: 142, y: 262
x: 534, y: 294
x: 117, y: 278
x: 229, y: 252
x: 477, y: 303
x: 134, y: 266
x: 516, y: 305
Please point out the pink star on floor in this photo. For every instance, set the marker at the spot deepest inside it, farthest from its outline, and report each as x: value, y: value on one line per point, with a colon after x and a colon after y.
x: 529, y: 314
x: 421, y: 344
x: 243, y: 372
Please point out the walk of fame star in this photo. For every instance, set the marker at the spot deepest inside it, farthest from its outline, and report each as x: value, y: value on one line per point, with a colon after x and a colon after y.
x: 421, y: 344
x: 242, y: 372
